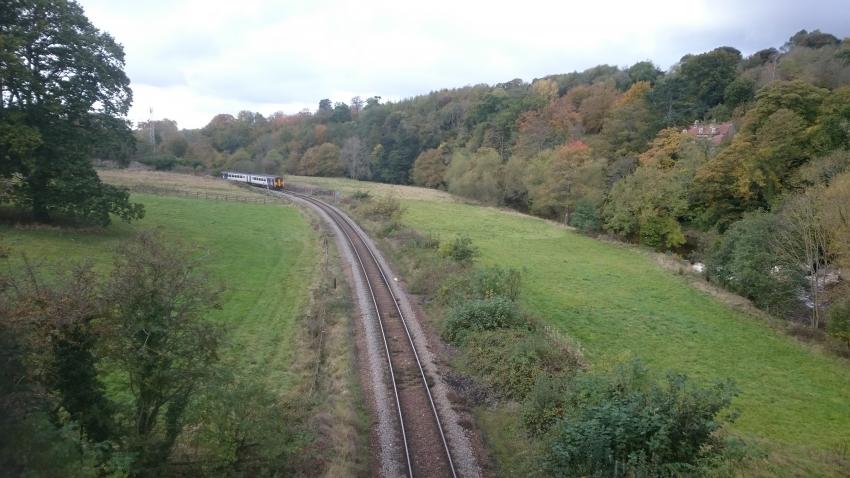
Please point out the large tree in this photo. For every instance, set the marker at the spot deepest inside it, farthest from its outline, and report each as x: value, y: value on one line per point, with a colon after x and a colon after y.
x: 63, y: 93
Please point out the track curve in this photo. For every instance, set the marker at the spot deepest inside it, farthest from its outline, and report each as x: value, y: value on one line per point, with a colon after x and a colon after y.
x: 426, y: 451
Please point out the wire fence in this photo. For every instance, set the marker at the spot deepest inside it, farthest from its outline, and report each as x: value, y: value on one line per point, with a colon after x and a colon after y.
x: 312, y: 191
x: 255, y: 198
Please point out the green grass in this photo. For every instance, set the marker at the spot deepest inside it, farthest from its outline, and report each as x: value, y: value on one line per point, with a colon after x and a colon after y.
x: 619, y: 303
x: 263, y: 255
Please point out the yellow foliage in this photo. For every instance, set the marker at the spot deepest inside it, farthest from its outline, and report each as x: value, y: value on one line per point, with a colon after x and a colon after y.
x: 635, y: 93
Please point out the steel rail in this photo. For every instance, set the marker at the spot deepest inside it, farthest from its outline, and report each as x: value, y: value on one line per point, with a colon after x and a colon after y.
x: 337, y: 216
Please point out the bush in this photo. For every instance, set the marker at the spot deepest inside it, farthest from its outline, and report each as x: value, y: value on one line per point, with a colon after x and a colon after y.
x: 161, y: 162
x: 545, y: 404
x: 586, y: 218
x: 460, y: 250
x: 839, y: 321
x: 483, y: 283
x: 385, y: 208
x: 509, y: 362
x: 628, y: 424
x: 480, y: 315
x: 361, y: 195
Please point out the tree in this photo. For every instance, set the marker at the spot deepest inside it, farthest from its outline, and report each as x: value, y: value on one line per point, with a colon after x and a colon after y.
x: 323, y: 160
x: 644, y: 71
x: 755, y: 170
x: 631, y: 123
x: 62, y: 91
x: 160, y: 340
x: 56, y: 319
x: 815, y: 39
x: 354, y: 156
x: 430, y: 167
x: 744, y: 261
x: 839, y: 321
x: 477, y: 176
x: 557, y: 180
x: 356, y: 107
x: 802, y: 242
x: 707, y: 76
x: 740, y: 91
x: 341, y: 113
x: 325, y: 110
x: 648, y: 205
x: 835, y: 209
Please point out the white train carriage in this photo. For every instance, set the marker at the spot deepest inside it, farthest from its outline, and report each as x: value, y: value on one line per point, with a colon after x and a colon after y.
x: 262, y: 180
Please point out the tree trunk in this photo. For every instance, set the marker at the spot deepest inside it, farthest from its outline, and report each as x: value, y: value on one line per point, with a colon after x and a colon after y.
x: 38, y: 193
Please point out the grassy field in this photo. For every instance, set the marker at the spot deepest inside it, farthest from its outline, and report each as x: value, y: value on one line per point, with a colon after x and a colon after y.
x: 264, y: 257
x: 618, y: 302
x: 267, y: 258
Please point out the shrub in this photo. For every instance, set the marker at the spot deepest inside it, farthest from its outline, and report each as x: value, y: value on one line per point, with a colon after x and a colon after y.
x: 483, y: 283
x: 586, y: 218
x: 628, y: 424
x: 480, y: 315
x: 385, y: 208
x: 839, y: 321
x: 496, y: 282
x: 412, y: 239
x: 461, y: 250
x: 161, y: 162
x: 545, y: 404
x: 361, y: 195
x: 510, y: 361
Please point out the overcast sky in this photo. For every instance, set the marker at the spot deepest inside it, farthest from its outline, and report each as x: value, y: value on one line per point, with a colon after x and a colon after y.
x: 189, y: 60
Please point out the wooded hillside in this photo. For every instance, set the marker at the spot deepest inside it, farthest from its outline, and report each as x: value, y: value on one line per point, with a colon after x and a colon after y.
x: 736, y: 161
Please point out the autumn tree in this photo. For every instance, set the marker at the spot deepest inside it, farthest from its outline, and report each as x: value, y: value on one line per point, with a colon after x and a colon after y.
x: 477, y: 176
x: 666, y: 149
x: 430, y: 167
x: 557, y: 180
x: 757, y: 167
x: 323, y: 160
x: 651, y: 204
x: 835, y: 204
x: 592, y: 104
x: 631, y: 123
x: 62, y: 91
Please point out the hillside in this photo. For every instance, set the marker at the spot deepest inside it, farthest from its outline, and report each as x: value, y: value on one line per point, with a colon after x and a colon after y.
x: 674, y: 160
x: 618, y: 302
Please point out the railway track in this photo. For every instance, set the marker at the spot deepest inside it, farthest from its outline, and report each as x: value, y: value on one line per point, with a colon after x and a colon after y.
x: 425, y: 449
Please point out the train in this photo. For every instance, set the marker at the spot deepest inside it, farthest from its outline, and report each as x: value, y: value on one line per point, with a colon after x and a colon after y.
x: 261, y: 180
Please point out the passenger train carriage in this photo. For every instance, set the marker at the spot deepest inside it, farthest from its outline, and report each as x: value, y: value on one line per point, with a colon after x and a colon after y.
x: 262, y: 180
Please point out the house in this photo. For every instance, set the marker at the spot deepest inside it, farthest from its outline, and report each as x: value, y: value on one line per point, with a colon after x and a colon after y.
x: 714, y: 132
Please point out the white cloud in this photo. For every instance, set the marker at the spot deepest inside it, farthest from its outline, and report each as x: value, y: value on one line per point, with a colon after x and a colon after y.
x: 190, y: 60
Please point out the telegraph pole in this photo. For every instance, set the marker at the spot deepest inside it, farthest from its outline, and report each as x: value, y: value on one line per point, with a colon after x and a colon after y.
x: 152, y: 129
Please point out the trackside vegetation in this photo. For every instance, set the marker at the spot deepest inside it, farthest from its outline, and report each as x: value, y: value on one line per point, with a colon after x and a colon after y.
x: 608, y: 304
x: 582, y: 426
